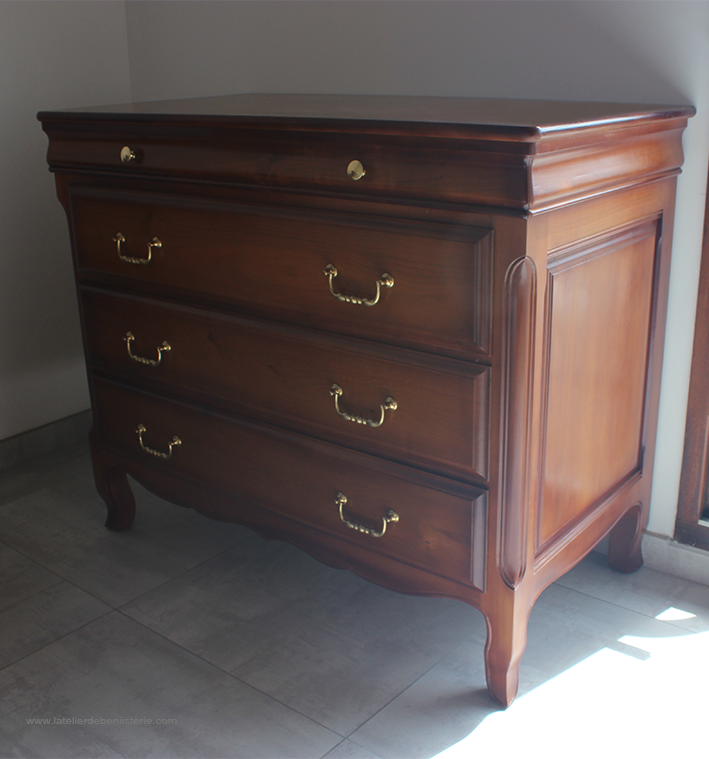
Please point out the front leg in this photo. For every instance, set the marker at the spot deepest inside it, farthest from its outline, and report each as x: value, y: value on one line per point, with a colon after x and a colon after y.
x: 507, y: 619
x: 112, y: 485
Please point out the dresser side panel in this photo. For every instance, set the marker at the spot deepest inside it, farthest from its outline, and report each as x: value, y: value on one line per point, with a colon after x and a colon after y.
x: 600, y: 304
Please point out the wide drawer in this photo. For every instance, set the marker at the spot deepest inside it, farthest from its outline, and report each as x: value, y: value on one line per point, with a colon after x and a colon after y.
x: 424, y: 522
x: 431, y: 282
x: 412, y: 408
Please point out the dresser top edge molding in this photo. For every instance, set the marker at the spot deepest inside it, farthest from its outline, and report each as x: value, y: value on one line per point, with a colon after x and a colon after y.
x: 518, y: 120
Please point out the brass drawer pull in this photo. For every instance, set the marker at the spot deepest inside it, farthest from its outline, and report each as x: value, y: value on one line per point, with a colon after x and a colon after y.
x: 390, y: 516
x: 149, y: 361
x: 386, y: 281
x: 355, y: 170
x: 154, y: 243
x: 127, y: 155
x: 175, y: 441
x: 389, y: 405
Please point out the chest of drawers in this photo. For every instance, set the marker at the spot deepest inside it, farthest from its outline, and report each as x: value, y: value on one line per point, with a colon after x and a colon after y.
x: 418, y: 337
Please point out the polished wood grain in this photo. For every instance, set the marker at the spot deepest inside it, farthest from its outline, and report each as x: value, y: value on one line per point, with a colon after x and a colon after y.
x: 599, y: 301
x: 281, y: 473
x: 442, y: 415
x: 308, y: 141
x: 266, y: 262
x: 402, y: 114
x: 529, y: 245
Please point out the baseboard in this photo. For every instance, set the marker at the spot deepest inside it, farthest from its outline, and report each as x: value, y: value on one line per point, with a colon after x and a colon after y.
x: 19, y: 449
x: 673, y: 558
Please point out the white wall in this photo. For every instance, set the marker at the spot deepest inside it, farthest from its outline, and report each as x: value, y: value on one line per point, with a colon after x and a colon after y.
x: 52, y: 55
x: 621, y: 50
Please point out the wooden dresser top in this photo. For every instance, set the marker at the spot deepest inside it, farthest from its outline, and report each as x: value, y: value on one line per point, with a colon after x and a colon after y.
x: 525, y: 155
x: 521, y: 120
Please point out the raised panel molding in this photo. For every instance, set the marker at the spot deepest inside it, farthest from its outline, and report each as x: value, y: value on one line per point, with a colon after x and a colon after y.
x: 606, y: 395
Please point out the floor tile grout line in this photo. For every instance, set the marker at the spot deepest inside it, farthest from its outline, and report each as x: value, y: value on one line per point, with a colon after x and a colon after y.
x: 62, y: 578
x: 59, y: 581
x: 343, y: 741
x: 57, y: 640
x: 182, y: 573
x: 112, y: 610
x: 622, y: 606
x: 121, y: 610
x: 467, y: 641
x: 51, y: 571
x: 330, y: 750
x: 231, y: 675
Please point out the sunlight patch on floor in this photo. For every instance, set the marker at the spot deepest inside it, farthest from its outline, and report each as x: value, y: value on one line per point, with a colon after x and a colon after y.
x: 611, y: 704
x: 674, y: 615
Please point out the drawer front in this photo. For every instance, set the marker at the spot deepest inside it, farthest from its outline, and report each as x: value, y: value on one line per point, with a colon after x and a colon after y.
x: 442, y: 532
x: 424, y: 415
x: 288, y: 267
x: 457, y: 172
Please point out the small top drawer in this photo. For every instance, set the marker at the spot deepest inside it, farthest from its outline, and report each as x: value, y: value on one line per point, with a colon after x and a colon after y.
x: 454, y: 171
x: 422, y: 285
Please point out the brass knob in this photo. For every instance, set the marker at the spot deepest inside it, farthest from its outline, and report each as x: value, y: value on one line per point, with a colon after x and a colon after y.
x: 127, y: 155
x: 355, y: 170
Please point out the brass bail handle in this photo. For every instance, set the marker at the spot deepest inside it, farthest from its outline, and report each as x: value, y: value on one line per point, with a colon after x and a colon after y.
x: 119, y: 239
x: 389, y: 517
x: 164, y: 348
x: 152, y: 451
x: 389, y: 405
x: 386, y: 280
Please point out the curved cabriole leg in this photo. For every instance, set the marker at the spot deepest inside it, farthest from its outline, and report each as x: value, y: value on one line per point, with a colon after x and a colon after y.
x: 506, y: 641
x: 625, y: 540
x: 112, y: 485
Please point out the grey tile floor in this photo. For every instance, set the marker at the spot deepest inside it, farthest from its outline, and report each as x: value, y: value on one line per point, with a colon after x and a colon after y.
x: 184, y: 637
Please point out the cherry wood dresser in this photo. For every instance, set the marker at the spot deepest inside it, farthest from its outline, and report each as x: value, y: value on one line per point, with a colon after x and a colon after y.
x: 421, y: 338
